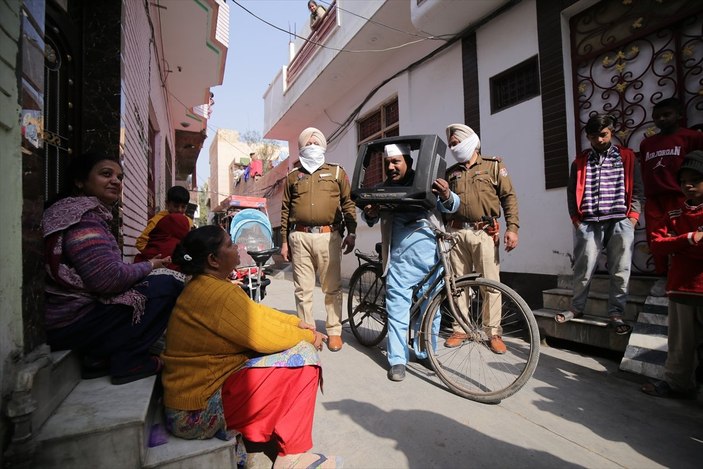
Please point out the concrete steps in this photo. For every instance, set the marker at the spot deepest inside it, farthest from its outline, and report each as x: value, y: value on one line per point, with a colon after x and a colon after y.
x: 559, y: 299
x: 647, y: 348
x: 177, y: 453
x: 107, y: 426
x: 592, y: 328
x: 97, y: 425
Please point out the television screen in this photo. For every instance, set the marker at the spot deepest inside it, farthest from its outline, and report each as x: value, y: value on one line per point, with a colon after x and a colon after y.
x: 369, y: 179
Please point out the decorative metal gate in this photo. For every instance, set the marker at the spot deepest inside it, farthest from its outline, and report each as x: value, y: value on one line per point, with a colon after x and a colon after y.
x: 61, y: 129
x: 626, y: 56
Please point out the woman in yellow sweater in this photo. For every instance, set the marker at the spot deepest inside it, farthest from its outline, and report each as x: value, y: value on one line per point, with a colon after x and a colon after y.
x: 233, y: 365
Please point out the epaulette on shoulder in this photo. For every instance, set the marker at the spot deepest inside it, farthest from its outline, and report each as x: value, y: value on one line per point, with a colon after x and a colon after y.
x: 493, y: 158
x: 452, y: 167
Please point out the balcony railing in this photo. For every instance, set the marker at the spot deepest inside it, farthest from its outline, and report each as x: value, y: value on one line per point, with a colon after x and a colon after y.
x: 312, y: 45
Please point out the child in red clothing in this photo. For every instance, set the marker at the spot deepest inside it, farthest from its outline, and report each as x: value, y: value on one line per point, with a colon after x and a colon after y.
x: 164, y: 238
x: 661, y: 157
x: 681, y: 237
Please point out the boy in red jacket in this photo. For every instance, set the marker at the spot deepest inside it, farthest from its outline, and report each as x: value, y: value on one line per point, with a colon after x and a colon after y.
x: 681, y: 237
x: 661, y: 156
x: 604, y: 196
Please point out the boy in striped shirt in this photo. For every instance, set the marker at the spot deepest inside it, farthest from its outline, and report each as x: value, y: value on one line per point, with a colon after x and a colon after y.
x: 605, y: 199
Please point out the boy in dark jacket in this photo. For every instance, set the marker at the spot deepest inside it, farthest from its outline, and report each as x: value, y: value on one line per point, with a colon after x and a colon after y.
x: 681, y: 237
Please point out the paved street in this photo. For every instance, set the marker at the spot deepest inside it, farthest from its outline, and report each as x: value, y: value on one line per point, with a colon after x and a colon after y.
x: 577, y: 411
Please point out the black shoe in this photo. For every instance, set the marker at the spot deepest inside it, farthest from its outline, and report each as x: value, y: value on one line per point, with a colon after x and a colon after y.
x: 92, y: 367
x: 396, y: 373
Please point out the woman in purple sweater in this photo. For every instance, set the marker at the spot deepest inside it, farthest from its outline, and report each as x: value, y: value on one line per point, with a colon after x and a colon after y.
x: 95, y: 303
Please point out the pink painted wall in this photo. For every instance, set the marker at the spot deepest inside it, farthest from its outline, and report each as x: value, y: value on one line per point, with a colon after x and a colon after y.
x: 143, y: 100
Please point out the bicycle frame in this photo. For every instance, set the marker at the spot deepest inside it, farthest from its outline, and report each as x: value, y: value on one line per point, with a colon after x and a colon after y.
x: 470, y: 368
x: 449, y: 279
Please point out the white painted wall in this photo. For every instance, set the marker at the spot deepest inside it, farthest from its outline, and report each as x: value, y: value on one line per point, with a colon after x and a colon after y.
x: 224, y: 149
x: 516, y: 135
x: 425, y: 108
x: 431, y: 97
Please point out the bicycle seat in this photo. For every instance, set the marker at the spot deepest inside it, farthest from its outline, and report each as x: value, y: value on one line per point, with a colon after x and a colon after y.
x: 260, y: 257
x: 370, y: 258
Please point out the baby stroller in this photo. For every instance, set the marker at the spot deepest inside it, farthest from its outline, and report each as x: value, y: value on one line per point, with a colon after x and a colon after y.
x: 251, y: 232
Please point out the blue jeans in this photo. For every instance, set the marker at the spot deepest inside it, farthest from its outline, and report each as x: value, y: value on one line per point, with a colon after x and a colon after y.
x: 617, y: 237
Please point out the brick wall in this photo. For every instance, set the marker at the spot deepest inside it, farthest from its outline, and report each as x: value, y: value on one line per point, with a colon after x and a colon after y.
x: 134, y: 140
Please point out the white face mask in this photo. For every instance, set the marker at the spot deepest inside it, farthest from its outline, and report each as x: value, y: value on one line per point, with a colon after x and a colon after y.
x: 312, y: 157
x: 465, y: 149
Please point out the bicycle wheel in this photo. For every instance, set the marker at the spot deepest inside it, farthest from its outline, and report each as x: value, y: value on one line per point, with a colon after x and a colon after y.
x: 471, y: 369
x: 366, y: 305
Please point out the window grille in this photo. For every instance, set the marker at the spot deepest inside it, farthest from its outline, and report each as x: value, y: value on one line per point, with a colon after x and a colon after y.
x: 380, y: 123
x: 515, y: 85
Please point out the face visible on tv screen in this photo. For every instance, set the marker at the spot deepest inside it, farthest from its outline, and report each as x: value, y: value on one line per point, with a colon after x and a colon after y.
x: 398, y: 171
x: 384, y: 170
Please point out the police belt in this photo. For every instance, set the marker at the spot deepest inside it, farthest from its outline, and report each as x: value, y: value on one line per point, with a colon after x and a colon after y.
x: 467, y: 225
x: 315, y: 229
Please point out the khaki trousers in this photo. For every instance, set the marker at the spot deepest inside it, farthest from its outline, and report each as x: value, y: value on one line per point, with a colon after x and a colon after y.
x: 319, y: 253
x: 685, y: 336
x: 476, y: 252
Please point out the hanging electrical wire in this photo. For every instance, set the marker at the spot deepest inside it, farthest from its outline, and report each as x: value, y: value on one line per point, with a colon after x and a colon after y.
x: 350, y: 51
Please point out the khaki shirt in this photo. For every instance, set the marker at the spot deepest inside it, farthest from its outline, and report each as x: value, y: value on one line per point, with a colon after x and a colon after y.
x: 483, y: 189
x: 320, y: 198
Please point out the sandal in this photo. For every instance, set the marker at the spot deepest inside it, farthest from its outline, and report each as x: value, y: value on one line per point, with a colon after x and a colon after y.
x: 320, y: 462
x: 663, y: 389
x: 620, y: 326
x: 566, y: 316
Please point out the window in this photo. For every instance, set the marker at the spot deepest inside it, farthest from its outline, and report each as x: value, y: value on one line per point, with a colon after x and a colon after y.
x: 515, y: 85
x: 380, y: 123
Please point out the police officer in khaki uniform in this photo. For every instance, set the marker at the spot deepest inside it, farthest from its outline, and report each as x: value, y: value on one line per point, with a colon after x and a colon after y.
x: 483, y: 186
x: 316, y: 209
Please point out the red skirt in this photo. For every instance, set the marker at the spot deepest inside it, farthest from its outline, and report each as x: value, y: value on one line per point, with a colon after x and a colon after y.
x: 267, y: 403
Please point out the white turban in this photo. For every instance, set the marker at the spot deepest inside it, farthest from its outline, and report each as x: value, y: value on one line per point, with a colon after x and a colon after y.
x: 397, y: 149
x: 461, y: 131
x: 468, y: 142
x: 310, y: 132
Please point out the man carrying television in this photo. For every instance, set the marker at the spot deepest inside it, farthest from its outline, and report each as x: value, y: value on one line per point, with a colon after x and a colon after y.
x: 407, y: 250
x: 316, y: 209
x: 484, y: 187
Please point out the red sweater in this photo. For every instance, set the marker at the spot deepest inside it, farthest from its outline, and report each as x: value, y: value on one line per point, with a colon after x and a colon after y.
x: 661, y: 157
x: 577, y: 184
x: 675, y: 238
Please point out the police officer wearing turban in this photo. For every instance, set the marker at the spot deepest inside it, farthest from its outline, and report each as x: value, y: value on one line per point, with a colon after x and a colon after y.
x: 484, y: 187
x: 316, y: 210
x: 409, y: 252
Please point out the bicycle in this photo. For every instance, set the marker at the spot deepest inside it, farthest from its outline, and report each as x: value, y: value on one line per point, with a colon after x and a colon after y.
x: 470, y: 370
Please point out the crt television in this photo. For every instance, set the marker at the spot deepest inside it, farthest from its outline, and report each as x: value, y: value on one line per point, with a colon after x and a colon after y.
x: 427, y: 153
